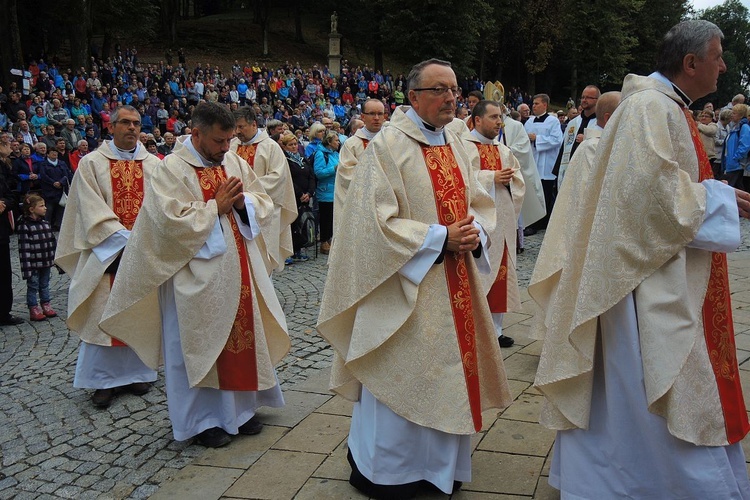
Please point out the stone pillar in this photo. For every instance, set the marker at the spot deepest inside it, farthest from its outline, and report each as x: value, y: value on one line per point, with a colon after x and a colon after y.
x: 334, y: 47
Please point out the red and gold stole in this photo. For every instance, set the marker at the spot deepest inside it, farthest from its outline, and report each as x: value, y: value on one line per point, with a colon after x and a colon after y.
x: 450, y: 200
x: 497, y: 297
x: 365, y: 142
x: 247, y: 153
x: 718, y: 327
x: 127, y: 198
x: 237, y: 365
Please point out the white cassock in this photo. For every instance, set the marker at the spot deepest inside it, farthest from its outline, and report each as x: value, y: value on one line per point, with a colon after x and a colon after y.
x: 546, y: 146
x: 621, y: 429
x: 389, y: 449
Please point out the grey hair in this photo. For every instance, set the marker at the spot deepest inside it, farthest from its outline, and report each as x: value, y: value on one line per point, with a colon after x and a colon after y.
x: 414, y: 78
x: 687, y: 37
x: 116, y: 113
x: 273, y: 124
x: 82, y: 141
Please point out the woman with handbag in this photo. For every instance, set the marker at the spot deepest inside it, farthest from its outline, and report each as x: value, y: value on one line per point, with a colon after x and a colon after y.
x: 55, y: 179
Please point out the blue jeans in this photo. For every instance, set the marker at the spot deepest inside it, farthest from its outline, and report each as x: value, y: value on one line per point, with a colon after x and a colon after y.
x: 38, y: 283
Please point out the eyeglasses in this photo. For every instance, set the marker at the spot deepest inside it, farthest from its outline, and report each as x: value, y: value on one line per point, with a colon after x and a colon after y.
x: 585, y: 97
x: 374, y: 113
x: 127, y: 123
x: 440, y: 91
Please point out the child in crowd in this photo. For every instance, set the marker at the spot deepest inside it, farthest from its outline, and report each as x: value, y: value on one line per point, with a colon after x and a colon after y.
x: 36, y: 249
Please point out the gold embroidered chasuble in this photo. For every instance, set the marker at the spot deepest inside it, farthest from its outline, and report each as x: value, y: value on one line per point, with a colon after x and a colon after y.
x: 350, y: 152
x: 96, y: 211
x: 623, y: 227
x: 173, y: 225
x: 384, y: 328
x: 269, y: 163
x: 507, y: 209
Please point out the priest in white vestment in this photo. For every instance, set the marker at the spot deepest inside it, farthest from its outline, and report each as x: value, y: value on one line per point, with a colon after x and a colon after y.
x: 267, y: 160
x: 575, y: 129
x: 546, y: 138
x: 220, y: 327
x: 499, y: 173
x: 414, y: 343
x: 638, y: 362
x: 105, y: 197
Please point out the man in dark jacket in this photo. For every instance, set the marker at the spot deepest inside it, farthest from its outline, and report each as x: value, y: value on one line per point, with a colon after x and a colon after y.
x: 7, y: 203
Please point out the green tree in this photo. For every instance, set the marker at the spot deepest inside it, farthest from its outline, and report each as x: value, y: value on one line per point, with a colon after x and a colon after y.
x: 540, y: 30
x: 733, y: 19
x: 650, y: 24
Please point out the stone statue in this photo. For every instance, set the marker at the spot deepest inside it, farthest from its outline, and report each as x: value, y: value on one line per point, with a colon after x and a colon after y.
x: 334, y: 22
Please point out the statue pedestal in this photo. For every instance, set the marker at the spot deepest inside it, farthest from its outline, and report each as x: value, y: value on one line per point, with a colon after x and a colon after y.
x: 334, y: 53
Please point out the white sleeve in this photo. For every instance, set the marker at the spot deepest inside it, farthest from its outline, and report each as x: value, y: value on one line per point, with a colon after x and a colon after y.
x: 107, y: 250
x: 720, y: 231
x: 253, y: 229
x: 416, y: 269
x: 214, y: 245
x: 483, y: 262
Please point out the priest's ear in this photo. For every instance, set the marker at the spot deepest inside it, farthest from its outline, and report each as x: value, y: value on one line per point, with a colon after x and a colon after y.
x: 689, y: 64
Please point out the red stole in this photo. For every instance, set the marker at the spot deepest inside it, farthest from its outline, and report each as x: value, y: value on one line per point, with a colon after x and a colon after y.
x: 247, y: 153
x: 718, y: 327
x: 236, y: 365
x: 365, y: 142
x: 127, y: 198
x: 497, y: 297
x: 450, y: 200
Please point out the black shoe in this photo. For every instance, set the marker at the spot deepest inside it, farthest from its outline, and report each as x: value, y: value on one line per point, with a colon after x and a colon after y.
x: 529, y: 231
x: 138, y: 388
x: 215, y: 437
x: 251, y: 427
x: 519, y: 250
x: 380, y: 491
x: 102, y: 398
x: 505, y: 341
x: 11, y: 320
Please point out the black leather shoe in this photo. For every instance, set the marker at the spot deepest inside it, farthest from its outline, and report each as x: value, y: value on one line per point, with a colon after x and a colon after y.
x: 11, y: 320
x: 505, y: 341
x: 138, y: 388
x: 102, y: 398
x: 380, y: 491
x: 529, y: 231
x: 251, y: 427
x: 215, y: 437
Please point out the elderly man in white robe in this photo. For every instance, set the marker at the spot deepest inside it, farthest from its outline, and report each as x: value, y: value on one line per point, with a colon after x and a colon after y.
x: 266, y: 158
x: 638, y: 363
x: 103, y: 203
x: 195, y: 247
x: 414, y: 343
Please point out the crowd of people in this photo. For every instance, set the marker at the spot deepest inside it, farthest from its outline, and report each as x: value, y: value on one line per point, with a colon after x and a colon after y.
x: 176, y: 193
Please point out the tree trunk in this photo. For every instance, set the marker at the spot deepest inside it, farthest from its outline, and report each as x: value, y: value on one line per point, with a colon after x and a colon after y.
x: 264, y: 15
x: 531, y: 83
x: 298, y: 37
x: 574, y: 82
x: 106, y: 44
x: 168, y: 18
x: 80, y: 34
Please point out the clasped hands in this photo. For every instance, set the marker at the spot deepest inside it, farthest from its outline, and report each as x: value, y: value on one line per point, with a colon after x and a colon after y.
x: 504, y: 176
x: 463, y: 236
x: 229, y: 194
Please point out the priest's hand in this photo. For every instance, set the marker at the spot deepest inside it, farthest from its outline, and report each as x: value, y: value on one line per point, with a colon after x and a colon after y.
x: 504, y: 176
x: 743, y: 203
x: 463, y: 236
x: 229, y: 194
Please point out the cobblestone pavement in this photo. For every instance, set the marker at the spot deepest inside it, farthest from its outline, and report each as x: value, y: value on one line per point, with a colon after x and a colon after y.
x: 54, y: 444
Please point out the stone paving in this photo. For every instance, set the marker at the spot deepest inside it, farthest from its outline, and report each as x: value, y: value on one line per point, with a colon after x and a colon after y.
x: 54, y: 444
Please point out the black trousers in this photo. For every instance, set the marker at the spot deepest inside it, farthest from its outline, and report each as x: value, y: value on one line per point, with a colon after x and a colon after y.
x: 6, y: 280
x: 549, y: 187
x: 734, y: 178
x: 326, y: 220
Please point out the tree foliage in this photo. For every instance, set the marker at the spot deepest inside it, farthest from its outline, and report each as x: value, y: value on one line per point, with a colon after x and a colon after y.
x: 734, y: 20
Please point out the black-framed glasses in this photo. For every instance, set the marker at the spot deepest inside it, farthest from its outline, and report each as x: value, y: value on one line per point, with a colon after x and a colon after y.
x: 127, y: 123
x: 440, y: 91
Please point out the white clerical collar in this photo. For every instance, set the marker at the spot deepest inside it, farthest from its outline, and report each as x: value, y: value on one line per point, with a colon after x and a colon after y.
x: 368, y: 135
x: 125, y: 154
x: 482, y: 139
x: 251, y: 140
x: 189, y: 145
x: 434, y: 137
x: 666, y: 81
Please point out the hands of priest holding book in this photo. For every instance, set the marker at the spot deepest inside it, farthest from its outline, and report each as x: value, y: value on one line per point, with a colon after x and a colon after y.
x: 463, y: 236
x: 229, y: 194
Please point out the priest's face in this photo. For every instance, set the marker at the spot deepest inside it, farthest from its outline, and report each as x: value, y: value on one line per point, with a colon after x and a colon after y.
x: 126, y: 129
x: 708, y: 69
x: 373, y: 115
x: 212, y: 142
x: 489, y: 124
x: 436, y: 103
x: 244, y: 130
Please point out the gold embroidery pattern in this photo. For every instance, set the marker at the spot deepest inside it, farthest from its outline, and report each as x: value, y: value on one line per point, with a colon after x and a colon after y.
x: 247, y: 153
x: 722, y: 348
x: 127, y: 190
x: 489, y: 157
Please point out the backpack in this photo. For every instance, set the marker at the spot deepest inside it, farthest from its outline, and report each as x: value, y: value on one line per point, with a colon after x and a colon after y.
x: 310, y: 160
x: 306, y: 230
